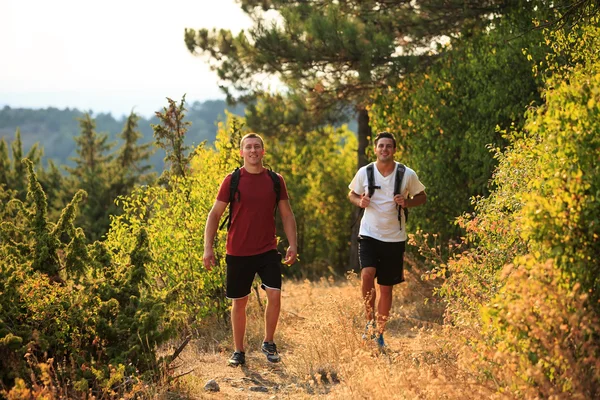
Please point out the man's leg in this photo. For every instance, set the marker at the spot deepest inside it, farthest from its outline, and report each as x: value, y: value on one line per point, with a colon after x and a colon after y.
x: 272, y: 313
x: 240, y: 273
x: 384, y: 306
x: 270, y: 275
x: 268, y: 347
x: 238, y: 322
x: 367, y: 276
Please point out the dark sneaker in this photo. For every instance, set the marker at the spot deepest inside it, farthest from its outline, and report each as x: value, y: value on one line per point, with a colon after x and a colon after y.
x: 379, y: 340
x: 270, y: 350
x: 238, y: 358
x: 369, y: 331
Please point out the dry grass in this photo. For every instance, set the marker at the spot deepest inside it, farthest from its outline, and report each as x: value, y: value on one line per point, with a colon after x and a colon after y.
x: 323, y: 355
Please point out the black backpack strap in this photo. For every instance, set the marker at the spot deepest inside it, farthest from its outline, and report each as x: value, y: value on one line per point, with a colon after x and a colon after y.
x: 371, y: 179
x: 233, y: 189
x: 370, y: 187
x: 276, y: 187
x: 400, y: 170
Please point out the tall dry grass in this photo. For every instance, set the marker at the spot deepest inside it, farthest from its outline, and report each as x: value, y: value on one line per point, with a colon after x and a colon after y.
x: 323, y: 354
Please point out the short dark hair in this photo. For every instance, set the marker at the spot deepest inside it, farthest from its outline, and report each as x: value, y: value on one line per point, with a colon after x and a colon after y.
x: 385, y: 135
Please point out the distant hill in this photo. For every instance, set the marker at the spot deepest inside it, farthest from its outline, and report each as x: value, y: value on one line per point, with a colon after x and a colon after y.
x: 54, y: 129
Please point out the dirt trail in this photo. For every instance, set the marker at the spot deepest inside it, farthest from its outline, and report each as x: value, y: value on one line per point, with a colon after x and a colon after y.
x: 323, y: 355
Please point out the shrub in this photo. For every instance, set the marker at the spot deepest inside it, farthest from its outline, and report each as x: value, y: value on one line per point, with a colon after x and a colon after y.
x: 67, y: 302
x: 532, y: 284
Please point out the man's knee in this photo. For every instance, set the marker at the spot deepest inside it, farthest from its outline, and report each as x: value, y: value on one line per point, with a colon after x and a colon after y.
x: 273, y: 295
x: 239, y: 304
x: 368, y: 273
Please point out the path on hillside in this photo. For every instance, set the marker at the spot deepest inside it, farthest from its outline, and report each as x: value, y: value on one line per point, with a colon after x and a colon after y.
x: 323, y: 355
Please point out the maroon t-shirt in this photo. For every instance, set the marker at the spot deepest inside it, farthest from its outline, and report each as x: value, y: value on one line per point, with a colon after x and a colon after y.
x: 252, y: 229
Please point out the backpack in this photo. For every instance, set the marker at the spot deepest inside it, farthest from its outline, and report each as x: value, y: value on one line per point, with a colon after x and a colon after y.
x: 400, y: 170
x: 233, y: 190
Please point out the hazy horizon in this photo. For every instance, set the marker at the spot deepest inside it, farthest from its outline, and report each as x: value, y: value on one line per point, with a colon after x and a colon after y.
x: 128, y: 55
x: 67, y: 104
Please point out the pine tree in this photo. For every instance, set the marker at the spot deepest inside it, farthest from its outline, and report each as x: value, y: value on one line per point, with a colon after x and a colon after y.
x: 18, y: 169
x: 334, y: 52
x: 130, y: 158
x: 94, y: 173
x: 53, y: 182
x: 92, y: 149
x: 4, y: 164
x: 44, y: 243
x: 12, y: 171
x: 170, y: 136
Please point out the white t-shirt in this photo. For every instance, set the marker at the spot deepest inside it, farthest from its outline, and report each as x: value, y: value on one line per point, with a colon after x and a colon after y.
x: 380, y: 220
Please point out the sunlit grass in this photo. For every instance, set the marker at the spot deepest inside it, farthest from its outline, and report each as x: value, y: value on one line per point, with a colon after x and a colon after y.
x: 323, y: 354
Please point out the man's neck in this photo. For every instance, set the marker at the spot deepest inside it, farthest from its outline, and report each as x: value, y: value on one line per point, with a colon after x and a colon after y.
x: 385, y: 167
x: 254, y: 169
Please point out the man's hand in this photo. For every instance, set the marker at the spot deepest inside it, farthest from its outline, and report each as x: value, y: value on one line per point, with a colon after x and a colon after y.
x: 209, y: 259
x: 290, y: 256
x: 365, y: 200
x: 400, y: 200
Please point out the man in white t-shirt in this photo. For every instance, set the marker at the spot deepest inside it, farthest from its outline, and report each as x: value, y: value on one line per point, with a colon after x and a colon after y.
x: 382, y: 236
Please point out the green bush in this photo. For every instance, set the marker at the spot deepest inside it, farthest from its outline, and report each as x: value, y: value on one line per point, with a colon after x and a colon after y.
x: 67, y: 303
x: 527, y: 294
x: 317, y: 170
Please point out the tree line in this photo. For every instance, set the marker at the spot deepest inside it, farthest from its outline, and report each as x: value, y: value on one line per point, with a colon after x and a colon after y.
x: 53, y: 129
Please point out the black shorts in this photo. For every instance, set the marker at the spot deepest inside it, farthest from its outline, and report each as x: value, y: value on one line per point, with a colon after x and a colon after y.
x: 242, y: 269
x: 386, y: 257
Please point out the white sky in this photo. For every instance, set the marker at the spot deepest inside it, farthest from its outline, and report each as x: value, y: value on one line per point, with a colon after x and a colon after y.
x: 107, y: 56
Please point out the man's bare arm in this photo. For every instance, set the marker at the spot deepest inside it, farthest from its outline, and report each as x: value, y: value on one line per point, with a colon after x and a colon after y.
x: 289, y: 226
x: 358, y: 200
x: 210, y: 230
x: 416, y: 200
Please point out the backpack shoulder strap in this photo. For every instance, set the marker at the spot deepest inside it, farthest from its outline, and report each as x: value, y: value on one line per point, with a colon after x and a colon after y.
x: 371, y: 179
x: 371, y: 189
x: 233, y: 185
x: 400, y: 170
x: 276, y: 185
x: 233, y: 189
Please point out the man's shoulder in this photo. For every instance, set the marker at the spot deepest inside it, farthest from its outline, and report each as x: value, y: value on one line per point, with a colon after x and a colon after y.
x: 362, y: 172
x: 237, y: 171
x: 228, y: 177
x: 364, y: 168
x: 274, y: 175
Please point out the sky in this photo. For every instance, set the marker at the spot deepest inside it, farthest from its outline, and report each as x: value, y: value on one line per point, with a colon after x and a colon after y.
x: 107, y: 56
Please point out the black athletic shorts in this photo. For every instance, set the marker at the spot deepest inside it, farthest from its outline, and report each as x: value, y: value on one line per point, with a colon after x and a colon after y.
x: 386, y: 257
x: 242, y: 269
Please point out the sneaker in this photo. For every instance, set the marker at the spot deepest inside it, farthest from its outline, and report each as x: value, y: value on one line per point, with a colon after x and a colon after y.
x: 369, y: 331
x: 270, y: 350
x: 238, y: 358
x: 379, y: 340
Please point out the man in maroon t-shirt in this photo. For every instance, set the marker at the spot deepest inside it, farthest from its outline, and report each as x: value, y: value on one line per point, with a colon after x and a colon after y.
x: 252, y: 244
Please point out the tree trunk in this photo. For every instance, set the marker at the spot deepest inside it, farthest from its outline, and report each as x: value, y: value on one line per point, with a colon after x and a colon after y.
x: 364, y: 136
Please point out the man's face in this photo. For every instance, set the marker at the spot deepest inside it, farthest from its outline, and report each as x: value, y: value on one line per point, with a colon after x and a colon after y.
x: 252, y: 151
x: 384, y: 149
